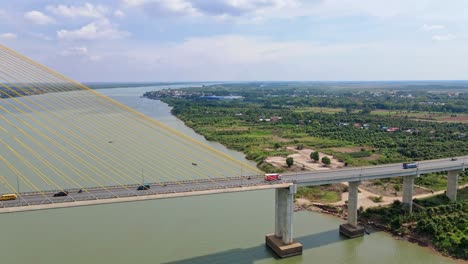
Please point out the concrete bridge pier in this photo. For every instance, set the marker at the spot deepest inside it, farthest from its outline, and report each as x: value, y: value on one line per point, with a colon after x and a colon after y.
x: 352, y: 229
x: 452, y: 184
x: 282, y: 241
x: 408, y: 186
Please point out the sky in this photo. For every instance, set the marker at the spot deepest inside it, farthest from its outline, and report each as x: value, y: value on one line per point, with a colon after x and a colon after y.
x: 241, y: 40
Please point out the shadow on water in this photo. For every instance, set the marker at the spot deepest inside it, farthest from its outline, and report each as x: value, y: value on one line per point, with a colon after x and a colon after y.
x: 250, y: 255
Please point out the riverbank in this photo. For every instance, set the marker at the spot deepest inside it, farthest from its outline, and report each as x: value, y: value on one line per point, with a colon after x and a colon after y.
x: 409, y: 230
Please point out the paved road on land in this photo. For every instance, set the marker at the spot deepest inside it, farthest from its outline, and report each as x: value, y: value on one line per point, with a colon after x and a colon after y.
x: 236, y: 184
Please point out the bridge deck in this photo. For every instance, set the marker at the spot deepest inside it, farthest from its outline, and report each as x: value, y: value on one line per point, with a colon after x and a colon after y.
x: 114, y: 194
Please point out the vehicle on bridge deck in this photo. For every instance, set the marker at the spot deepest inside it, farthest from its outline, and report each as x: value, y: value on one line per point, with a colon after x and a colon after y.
x: 64, y: 193
x: 272, y: 177
x: 143, y: 187
x: 408, y: 165
x: 7, y: 197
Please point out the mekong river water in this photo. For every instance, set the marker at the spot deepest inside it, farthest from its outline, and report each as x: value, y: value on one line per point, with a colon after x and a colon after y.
x: 226, y: 228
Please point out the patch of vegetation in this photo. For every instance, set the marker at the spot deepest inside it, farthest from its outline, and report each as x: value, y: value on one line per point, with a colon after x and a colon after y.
x: 440, y: 221
x: 268, y: 168
x: 438, y: 181
x: 377, y: 199
x: 323, y: 194
x: 360, y: 154
x: 326, y: 161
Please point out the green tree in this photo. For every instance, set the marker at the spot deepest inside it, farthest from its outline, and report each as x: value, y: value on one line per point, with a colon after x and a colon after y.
x: 326, y: 161
x: 366, y: 111
x: 315, y: 156
x: 289, y: 162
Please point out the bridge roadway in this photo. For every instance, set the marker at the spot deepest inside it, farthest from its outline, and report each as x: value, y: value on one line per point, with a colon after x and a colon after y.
x: 114, y: 194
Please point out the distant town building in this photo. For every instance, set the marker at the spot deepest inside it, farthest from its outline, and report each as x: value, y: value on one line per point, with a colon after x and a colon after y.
x: 392, y: 129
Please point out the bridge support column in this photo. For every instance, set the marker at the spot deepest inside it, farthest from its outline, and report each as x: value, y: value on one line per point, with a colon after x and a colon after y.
x: 351, y: 229
x: 452, y: 185
x: 282, y: 241
x: 408, y: 186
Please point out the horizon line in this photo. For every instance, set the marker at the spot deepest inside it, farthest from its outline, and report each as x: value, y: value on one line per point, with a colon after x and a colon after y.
x: 298, y: 81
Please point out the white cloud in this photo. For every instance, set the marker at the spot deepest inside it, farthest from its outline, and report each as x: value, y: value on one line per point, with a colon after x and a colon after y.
x: 279, y: 8
x: 164, y: 7
x: 445, y: 37
x: 240, y: 57
x: 241, y: 7
x: 80, y: 52
x: 119, y: 13
x: 86, y: 10
x: 229, y: 50
x: 74, y: 51
x: 432, y: 27
x: 38, y: 18
x: 218, y: 9
x: 233, y: 57
x: 101, y: 29
x: 256, y: 10
x: 8, y: 36
x: 134, y: 2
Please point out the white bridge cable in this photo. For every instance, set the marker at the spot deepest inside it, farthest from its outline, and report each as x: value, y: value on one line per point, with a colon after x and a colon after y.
x: 37, y: 121
x: 68, y: 118
x: 223, y: 166
x: 56, y: 170
x: 120, y: 105
x: 38, y: 132
x: 27, y: 123
x: 137, y: 133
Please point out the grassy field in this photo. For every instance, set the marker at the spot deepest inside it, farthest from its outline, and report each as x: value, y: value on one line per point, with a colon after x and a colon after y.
x: 426, y: 116
x: 437, y: 181
x: 322, y: 194
x: 325, y: 110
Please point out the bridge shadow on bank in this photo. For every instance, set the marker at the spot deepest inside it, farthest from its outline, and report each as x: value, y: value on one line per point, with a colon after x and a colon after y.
x: 250, y: 255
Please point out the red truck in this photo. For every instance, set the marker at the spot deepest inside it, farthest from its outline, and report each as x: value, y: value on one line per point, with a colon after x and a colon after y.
x: 272, y: 177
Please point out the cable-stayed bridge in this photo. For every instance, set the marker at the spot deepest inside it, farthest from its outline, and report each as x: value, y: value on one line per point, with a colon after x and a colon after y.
x: 59, y: 136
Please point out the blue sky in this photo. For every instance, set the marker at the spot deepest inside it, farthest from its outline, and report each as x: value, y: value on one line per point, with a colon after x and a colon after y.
x: 237, y: 40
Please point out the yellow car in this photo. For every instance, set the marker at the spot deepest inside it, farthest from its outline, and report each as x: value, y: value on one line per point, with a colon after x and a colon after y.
x: 7, y: 197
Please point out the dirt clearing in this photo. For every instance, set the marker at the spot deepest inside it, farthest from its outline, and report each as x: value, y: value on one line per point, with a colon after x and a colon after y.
x: 302, y: 161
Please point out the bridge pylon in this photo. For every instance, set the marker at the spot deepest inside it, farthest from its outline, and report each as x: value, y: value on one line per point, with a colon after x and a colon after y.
x: 452, y: 184
x: 351, y: 229
x: 282, y: 241
x: 408, y: 187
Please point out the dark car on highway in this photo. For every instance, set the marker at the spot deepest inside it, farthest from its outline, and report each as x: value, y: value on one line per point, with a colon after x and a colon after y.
x: 65, y: 193
x: 143, y: 187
